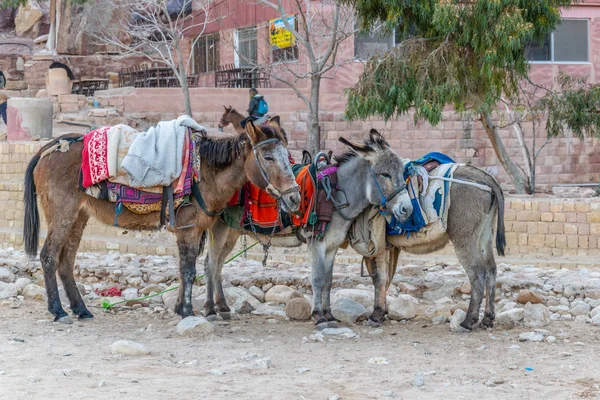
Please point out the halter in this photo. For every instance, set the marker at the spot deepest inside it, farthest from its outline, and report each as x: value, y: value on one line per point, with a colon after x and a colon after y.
x: 384, y: 200
x: 270, y: 188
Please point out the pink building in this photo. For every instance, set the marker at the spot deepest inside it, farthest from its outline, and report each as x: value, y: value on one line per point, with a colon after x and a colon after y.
x: 242, y: 40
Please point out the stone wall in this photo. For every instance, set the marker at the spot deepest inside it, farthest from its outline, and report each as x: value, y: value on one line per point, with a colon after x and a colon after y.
x: 542, y: 230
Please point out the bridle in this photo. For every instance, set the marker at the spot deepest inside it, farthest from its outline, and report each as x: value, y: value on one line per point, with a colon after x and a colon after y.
x: 270, y: 188
x: 224, y: 120
x: 383, y: 209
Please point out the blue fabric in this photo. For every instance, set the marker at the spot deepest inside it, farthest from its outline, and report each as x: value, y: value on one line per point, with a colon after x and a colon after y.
x: 3, y: 107
x: 416, y: 221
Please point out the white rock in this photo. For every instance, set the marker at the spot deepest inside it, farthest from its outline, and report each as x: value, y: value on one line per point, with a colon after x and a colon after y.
x: 129, y: 348
x: 303, y: 370
x: 362, y: 297
x: 258, y: 293
x: 192, y: 326
x: 531, y: 337
x: 403, y: 307
x: 596, y: 319
x: 8, y: 290
x: 457, y: 318
x: 509, y: 305
x: 280, y: 294
x: 261, y: 363
x: 580, y: 308
x: 266, y: 287
x: 378, y: 361
x: 34, y: 292
x: 510, y: 318
x: 21, y: 283
x: 348, y: 310
x: 338, y: 331
x: 536, y: 315
x: 170, y: 299
x: 419, y: 380
x: 6, y: 275
x: 216, y: 372
x: 551, y: 339
x: 130, y: 293
x: 237, y: 295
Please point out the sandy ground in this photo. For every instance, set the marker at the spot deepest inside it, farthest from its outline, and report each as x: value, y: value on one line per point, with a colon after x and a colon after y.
x: 42, y: 360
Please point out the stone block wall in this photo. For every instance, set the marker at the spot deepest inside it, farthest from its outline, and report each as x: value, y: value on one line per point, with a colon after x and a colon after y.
x: 541, y: 229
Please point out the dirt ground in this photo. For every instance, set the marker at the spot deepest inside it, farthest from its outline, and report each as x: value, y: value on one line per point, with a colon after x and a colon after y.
x: 43, y: 360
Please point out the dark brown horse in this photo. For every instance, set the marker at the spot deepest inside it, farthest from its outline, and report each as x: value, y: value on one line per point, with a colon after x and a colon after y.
x: 233, y: 117
x: 259, y: 155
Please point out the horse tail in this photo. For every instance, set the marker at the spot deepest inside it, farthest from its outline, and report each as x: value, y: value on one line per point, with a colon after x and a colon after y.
x: 31, y: 228
x: 500, y: 234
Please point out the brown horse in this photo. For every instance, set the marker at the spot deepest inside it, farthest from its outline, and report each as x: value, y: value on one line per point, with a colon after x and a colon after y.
x: 233, y: 117
x: 226, y: 164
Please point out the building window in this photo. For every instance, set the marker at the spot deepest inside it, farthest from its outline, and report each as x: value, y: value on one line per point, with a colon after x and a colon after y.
x: 373, y: 43
x: 246, y: 54
x: 206, y: 54
x: 285, y: 55
x: 569, y: 43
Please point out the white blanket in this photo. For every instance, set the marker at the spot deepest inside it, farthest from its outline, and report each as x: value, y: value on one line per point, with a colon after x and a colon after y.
x: 156, y: 156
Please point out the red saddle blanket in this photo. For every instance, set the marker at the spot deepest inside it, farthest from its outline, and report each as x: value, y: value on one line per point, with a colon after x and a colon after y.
x: 262, y: 210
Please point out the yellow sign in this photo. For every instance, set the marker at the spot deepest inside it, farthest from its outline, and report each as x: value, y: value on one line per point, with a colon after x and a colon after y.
x: 279, y: 36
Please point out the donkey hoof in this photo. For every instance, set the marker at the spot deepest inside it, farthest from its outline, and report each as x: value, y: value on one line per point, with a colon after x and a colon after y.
x: 463, y: 329
x: 85, y: 315
x: 225, y: 315
x: 373, y: 324
x: 487, y: 323
x: 67, y: 320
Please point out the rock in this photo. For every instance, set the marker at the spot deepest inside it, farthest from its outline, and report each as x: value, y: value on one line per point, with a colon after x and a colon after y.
x: 257, y: 292
x: 403, y: 307
x: 457, y: 318
x: 170, y: 299
x: 364, y: 297
x: 596, y: 320
x: 580, y: 308
x: 303, y: 370
x: 509, y: 305
x: 536, y: 315
x: 237, y: 295
x: 346, y: 332
x: 531, y: 337
x: 151, y: 288
x: 130, y: 293
x: 245, y: 308
x: 41, y: 39
x: 34, y: 292
x: 216, y: 372
x: 378, y: 361
x: 129, y: 348
x: 266, y: 287
x: 551, y: 339
x: 8, y: 290
x: 348, y: 310
x: 21, y: 283
x: 465, y: 288
x: 446, y: 290
x: 194, y: 326
x: 419, y: 380
x: 510, y: 318
x: 6, y: 275
x: 439, y: 320
x: 281, y: 294
x: 527, y: 296
x: 299, y: 309
x: 261, y: 363
x: 27, y: 21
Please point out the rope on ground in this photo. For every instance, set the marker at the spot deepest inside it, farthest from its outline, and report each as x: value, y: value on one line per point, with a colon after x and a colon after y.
x: 108, y: 305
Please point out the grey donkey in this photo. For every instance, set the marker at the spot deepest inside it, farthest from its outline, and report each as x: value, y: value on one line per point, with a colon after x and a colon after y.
x: 472, y: 215
x: 365, y: 173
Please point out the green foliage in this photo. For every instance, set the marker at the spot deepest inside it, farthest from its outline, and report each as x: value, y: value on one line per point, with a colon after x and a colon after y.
x: 17, y: 3
x: 576, y: 107
x: 466, y: 54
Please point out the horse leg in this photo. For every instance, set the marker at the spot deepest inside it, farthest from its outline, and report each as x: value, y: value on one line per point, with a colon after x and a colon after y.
x: 65, y: 267
x: 188, y: 242
x: 379, y: 273
x: 231, y: 238
x: 490, y: 290
x: 49, y: 257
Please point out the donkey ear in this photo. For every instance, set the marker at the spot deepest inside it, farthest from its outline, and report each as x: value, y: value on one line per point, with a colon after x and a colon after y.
x: 225, y: 107
x: 275, y: 122
x: 359, y: 148
x: 306, y: 157
x: 377, y: 138
x: 254, y: 132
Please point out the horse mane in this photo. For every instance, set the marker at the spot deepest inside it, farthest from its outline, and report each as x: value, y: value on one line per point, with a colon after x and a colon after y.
x: 222, y: 152
x: 373, y: 141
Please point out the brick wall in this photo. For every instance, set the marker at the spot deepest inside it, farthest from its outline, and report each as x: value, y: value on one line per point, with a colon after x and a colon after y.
x: 542, y: 228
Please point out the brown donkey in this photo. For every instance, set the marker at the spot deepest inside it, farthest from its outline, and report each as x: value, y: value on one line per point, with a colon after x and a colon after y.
x: 233, y: 117
x: 226, y: 164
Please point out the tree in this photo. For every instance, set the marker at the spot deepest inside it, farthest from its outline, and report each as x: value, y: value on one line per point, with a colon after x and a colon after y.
x: 17, y: 3
x: 320, y: 30
x: 157, y: 29
x: 467, y: 54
